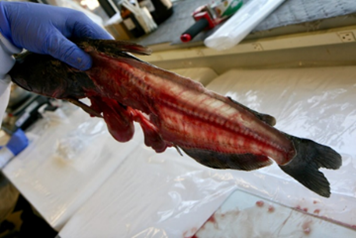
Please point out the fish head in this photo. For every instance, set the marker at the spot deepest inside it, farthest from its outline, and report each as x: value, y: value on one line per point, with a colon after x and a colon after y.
x: 47, y: 76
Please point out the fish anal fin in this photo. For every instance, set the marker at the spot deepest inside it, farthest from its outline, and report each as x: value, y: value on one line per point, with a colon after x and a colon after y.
x: 270, y: 120
x: 219, y: 160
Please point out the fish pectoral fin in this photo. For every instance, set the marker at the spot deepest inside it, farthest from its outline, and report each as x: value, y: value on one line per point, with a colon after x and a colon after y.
x: 85, y: 107
x: 219, y: 160
x: 270, y: 120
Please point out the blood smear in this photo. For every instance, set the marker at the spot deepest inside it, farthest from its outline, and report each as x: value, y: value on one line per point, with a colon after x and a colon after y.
x: 271, y: 209
x: 317, y: 211
x: 211, y: 219
x: 306, y: 227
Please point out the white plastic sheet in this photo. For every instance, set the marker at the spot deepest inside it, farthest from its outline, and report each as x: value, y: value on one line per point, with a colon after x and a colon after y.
x: 314, y: 103
x: 151, y: 195
x: 241, y: 23
x: 165, y: 195
x: 246, y: 215
x: 65, y: 163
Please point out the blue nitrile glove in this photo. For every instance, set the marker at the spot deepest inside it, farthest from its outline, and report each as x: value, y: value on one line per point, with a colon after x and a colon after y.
x: 44, y: 29
x: 17, y: 143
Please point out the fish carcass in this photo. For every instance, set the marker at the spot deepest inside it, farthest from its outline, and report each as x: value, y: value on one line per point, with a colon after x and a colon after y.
x: 174, y: 111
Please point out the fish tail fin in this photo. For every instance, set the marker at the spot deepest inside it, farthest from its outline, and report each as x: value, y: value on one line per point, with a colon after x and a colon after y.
x: 309, y: 158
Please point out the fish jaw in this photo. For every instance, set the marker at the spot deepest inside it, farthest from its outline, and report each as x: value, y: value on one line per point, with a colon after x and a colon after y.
x: 44, y: 75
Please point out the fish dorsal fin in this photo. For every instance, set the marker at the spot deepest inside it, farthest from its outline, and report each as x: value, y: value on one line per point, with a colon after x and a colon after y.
x: 112, y: 47
x: 219, y: 160
x: 270, y: 120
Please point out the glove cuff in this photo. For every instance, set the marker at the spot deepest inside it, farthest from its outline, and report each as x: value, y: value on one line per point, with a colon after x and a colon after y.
x: 6, y: 59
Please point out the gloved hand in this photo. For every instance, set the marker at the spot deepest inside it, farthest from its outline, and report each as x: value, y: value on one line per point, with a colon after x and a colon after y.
x: 44, y: 29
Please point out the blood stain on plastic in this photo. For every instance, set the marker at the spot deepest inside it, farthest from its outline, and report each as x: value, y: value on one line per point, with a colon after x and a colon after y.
x: 306, y: 227
x: 299, y: 208
x: 271, y: 208
x: 316, y: 211
x: 211, y: 219
x: 260, y: 203
x: 193, y: 230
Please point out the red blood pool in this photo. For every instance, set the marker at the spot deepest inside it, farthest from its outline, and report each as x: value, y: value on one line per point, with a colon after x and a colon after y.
x: 260, y: 203
x: 317, y: 211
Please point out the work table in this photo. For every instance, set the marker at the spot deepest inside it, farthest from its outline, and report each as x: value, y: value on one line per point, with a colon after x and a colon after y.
x: 293, y: 16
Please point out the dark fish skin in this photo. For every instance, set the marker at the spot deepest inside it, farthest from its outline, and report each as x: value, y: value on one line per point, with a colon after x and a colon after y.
x: 174, y: 111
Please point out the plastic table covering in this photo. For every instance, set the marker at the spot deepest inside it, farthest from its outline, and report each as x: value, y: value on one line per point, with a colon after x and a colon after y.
x: 166, y: 195
x: 65, y: 162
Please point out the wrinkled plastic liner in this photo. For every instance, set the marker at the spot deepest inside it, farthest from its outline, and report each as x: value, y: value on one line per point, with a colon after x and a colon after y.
x: 166, y: 195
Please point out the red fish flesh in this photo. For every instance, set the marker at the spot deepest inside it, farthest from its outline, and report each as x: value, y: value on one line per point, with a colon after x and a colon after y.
x: 174, y: 111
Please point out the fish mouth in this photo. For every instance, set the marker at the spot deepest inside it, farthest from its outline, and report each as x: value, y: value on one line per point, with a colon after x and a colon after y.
x: 22, y: 83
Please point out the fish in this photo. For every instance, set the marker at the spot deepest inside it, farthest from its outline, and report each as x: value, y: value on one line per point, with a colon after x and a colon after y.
x: 174, y: 111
